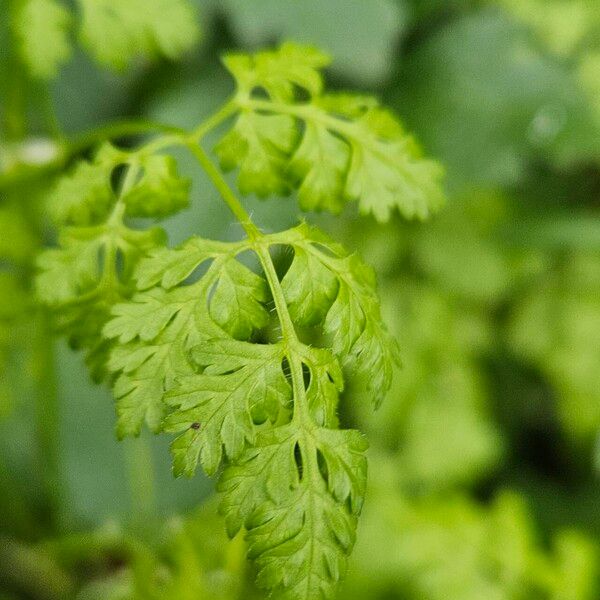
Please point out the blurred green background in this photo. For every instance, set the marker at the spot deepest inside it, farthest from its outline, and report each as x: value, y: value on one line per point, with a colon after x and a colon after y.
x: 484, y: 457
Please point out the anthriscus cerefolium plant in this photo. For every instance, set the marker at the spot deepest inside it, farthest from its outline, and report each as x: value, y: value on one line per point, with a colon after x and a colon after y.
x: 245, y: 366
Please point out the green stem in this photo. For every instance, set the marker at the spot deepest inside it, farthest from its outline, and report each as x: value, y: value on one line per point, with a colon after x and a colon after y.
x: 47, y: 426
x: 110, y: 277
x: 226, y: 111
x: 288, y: 335
x: 235, y: 206
x: 142, y: 489
x: 118, y: 129
x: 288, y: 332
x: 47, y: 106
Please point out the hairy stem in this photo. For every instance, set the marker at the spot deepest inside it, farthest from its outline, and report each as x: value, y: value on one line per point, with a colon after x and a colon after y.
x: 235, y: 206
x: 226, y: 111
x: 288, y: 332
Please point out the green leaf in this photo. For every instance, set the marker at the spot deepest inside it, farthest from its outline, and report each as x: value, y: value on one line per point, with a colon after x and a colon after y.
x: 259, y: 145
x: 72, y: 269
x: 160, y: 190
x: 85, y: 195
x: 118, y: 32
x: 238, y: 301
x: 351, y: 149
x: 352, y: 316
x: 300, y: 521
x: 241, y: 384
x: 155, y: 331
x: 319, y: 165
x: 279, y: 71
x: 169, y: 267
x: 325, y: 385
x: 309, y: 287
x: 266, y: 412
x: 92, y: 267
x: 41, y: 30
x: 391, y: 175
x: 158, y: 327
x: 80, y: 286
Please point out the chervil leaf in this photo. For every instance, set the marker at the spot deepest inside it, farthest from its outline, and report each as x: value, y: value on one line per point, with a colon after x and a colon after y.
x: 326, y: 382
x: 40, y: 28
x: 238, y: 301
x: 72, y: 269
x: 389, y: 173
x: 85, y: 195
x: 160, y: 190
x: 117, y: 32
x: 259, y: 145
x: 320, y: 165
x: 168, y: 267
x: 350, y: 149
x: 300, y: 520
x: 358, y: 335
x: 340, y: 290
x: 159, y: 326
x: 241, y: 384
x: 155, y: 330
x: 80, y: 286
x: 279, y: 71
x: 92, y: 266
x: 309, y: 287
x: 266, y: 412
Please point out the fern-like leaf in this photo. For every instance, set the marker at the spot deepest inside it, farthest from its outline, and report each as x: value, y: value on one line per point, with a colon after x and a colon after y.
x: 117, y: 32
x: 350, y: 148
x: 91, y: 269
x: 188, y: 363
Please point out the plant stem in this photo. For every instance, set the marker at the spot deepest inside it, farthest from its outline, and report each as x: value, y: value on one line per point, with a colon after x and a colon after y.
x: 226, y: 111
x: 45, y: 408
x: 46, y: 411
x: 288, y: 331
x: 118, y: 129
x: 226, y: 193
x: 142, y: 489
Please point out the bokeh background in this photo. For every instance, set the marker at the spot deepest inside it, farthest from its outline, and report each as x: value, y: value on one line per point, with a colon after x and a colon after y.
x: 484, y: 458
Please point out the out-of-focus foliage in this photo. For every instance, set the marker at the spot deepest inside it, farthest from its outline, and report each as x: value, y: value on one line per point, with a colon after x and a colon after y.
x: 482, y: 482
x: 113, y: 32
x: 569, y: 30
x: 487, y: 100
x: 451, y: 548
x: 17, y: 247
x: 363, y: 42
x: 556, y: 326
x: 350, y: 147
